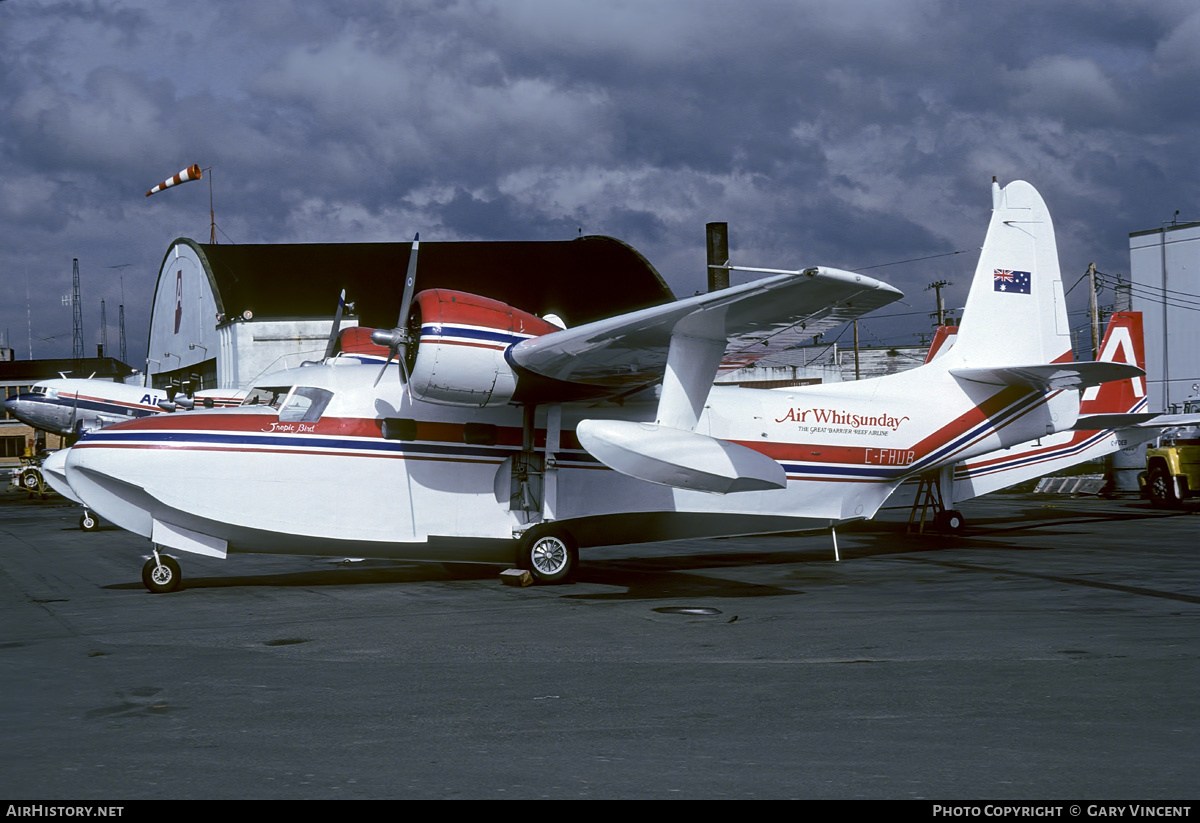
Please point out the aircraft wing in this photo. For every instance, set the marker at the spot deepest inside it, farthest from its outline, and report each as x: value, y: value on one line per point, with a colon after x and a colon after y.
x: 752, y: 319
x: 1052, y: 376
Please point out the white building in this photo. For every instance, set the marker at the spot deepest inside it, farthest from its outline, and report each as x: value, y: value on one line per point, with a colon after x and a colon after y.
x: 1164, y: 266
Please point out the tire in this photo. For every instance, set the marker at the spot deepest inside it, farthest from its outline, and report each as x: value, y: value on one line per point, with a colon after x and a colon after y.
x: 88, y: 522
x: 1161, y: 487
x: 548, y: 553
x: 950, y: 521
x: 32, y: 480
x: 161, y: 579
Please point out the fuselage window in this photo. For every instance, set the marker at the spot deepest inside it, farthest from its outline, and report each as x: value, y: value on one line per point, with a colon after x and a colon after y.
x: 305, y: 405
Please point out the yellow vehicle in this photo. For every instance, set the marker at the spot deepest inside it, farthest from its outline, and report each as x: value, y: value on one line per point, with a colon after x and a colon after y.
x: 1173, y: 467
x: 29, y: 475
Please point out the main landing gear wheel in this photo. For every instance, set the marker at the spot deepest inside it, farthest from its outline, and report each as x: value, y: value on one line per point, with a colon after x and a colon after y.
x: 161, y: 577
x: 88, y: 522
x: 549, y: 554
x: 950, y: 521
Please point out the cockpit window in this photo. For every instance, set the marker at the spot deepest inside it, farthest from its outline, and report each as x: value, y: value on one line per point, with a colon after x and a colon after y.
x: 305, y: 405
x: 266, y: 396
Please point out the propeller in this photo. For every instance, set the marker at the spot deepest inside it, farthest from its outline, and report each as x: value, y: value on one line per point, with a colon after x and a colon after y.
x: 398, y: 339
x: 186, y: 402
x: 75, y: 412
x: 169, y: 404
x: 337, y: 322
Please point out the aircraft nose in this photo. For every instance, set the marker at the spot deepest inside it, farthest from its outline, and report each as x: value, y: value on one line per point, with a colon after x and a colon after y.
x: 107, y: 481
x: 54, y: 469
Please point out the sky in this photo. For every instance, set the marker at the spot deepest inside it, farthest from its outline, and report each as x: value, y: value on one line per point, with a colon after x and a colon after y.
x: 860, y: 134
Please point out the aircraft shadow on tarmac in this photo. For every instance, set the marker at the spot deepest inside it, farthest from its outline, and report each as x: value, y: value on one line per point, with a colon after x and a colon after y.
x: 686, y: 572
x: 637, y: 578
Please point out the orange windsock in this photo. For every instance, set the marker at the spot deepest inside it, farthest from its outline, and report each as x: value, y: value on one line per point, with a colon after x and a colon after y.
x: 192, y: 172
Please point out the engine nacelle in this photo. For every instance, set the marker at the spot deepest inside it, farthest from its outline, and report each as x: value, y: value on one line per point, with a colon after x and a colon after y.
x: 459, y: 356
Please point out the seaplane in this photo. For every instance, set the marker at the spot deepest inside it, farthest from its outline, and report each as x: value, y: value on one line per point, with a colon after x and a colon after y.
x: 504, y: 437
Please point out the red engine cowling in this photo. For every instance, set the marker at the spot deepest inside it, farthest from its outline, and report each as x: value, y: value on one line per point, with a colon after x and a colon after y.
x: 459, y: 356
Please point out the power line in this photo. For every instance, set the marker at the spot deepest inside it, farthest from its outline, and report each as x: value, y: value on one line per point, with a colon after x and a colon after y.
x: 1147, y: 286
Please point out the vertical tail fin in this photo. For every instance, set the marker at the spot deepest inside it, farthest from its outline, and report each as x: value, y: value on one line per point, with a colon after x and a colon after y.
x: 1015, y: 312
x: 943, y: 341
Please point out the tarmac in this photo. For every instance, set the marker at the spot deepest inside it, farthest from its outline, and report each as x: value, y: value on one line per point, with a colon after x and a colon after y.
x: 1050, y: 652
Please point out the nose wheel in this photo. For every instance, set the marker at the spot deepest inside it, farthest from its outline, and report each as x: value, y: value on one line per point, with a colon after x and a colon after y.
x: 161, y: 574
x: 88, y: 521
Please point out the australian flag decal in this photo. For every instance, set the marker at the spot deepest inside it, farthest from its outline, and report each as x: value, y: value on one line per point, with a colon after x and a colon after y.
x: 1007, y: 280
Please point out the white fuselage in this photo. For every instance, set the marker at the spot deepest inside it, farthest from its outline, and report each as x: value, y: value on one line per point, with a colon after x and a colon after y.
x: 258, y: 479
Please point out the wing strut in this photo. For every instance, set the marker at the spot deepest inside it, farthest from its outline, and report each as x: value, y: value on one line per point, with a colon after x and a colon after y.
x: 692, y: 362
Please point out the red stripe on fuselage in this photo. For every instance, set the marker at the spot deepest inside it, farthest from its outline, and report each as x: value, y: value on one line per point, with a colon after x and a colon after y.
x: 886, y: 456
x: 447, y: 341
x: 366, y: 427
x: 512, y: 436
x: 109, y: 401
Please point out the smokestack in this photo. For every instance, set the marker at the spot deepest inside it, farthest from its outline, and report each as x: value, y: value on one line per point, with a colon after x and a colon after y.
x: 718, y: 255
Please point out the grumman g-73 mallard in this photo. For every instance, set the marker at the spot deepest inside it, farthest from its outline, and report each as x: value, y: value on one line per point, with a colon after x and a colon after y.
x: 499, y: 436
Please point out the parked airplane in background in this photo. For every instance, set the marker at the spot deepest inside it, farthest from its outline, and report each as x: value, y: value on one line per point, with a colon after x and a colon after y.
x: 71, y: 406
x: 505, y: 434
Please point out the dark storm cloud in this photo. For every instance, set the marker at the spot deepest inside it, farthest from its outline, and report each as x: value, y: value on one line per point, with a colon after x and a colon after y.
x: 836, y: 133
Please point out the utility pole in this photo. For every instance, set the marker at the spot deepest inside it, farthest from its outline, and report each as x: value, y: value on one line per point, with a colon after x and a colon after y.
x: 941, y: 305
x: 857, y: 376
x: 1093, y: 312
x: 103, y: 331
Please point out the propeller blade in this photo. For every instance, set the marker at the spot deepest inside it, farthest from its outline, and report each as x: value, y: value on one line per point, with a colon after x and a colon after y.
x: 397, y: 339
x: 409, y: 282
x: 337, y: 323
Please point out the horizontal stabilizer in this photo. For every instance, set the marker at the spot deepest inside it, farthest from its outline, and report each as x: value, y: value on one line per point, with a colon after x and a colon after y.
x: 1099, y: 422
x: 1052, y: 376
x: 681, y: 459
x: 1149, y: 420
